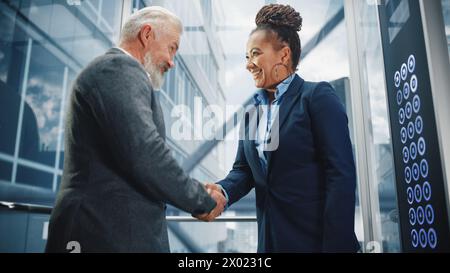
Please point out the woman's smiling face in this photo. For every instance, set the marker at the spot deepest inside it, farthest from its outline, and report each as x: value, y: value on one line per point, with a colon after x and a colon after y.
x: 262, y: 58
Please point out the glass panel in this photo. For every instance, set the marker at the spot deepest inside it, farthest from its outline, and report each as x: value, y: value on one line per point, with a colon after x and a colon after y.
x: 446, y: 11
x: 44, y: 92
x: 138, y: 4
x: 230, y: 237
x: 5, y: 171
x: 43, y: 46
x: 382, y: 180
x: 109, y: 15
x: 34, y: 177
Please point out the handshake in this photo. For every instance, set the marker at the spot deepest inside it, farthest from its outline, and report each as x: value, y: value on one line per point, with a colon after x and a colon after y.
x: 216, y: 193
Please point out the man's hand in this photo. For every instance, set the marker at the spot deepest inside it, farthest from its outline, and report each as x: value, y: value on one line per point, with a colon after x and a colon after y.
x: 213, y: 187
x: 221, y: 202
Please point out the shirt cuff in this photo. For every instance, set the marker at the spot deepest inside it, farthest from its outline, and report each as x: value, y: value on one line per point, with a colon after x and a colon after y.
x: 225, y: 194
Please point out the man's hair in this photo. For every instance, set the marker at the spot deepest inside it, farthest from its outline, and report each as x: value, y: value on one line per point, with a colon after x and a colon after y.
x: 156, y: 16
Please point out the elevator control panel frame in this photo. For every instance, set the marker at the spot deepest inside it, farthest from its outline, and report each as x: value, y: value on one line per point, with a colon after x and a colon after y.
x: 423, y: 212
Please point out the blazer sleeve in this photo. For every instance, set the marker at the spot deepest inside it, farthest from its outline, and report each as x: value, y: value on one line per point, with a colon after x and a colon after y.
x: 331, y: 135
x: 239, y: 181
x: 121, y: 103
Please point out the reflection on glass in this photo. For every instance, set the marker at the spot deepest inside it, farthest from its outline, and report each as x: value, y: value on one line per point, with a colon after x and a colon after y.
x: 43, y: 45
x: 43, y: 94
x: 399, y: 15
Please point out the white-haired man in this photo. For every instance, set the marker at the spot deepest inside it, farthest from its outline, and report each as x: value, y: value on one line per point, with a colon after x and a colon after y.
x: 118, y: 172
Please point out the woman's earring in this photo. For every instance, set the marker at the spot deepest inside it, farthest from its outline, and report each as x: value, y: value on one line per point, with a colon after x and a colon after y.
x: 276, y: 73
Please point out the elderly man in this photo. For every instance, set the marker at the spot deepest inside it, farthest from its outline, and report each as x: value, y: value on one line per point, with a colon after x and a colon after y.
x: 118, y: 172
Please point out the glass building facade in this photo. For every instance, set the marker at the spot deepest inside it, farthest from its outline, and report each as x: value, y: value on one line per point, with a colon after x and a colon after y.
x: 446, y: 11
x: 44, y: 44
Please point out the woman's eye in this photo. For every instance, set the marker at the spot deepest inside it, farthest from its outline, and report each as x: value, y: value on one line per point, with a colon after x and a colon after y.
x: 252, y: 55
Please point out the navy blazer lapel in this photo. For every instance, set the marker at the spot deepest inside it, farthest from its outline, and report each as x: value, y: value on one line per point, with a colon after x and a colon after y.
x: 250, y: 147
x: 290, y: 99
x: 249, y: 140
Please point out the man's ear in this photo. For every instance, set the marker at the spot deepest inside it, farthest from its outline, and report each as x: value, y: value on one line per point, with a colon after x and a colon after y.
x: 145, y: 35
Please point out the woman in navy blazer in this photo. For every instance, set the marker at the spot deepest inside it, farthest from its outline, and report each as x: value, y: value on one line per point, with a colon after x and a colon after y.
x: 305, y: 188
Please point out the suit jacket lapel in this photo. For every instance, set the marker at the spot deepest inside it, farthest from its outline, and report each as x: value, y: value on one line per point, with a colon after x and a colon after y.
x: 249, y: 142
x: 290, y: 99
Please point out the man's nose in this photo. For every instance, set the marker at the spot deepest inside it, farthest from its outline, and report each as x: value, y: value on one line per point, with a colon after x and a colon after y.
x: 171, y: 64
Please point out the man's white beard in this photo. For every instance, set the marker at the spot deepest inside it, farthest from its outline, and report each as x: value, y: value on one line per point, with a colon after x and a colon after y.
x: 156, y: 77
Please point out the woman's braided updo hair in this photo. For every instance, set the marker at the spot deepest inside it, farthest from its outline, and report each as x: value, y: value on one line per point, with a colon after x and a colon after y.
x: 281, y: 22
